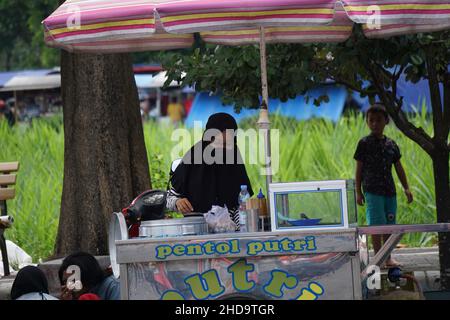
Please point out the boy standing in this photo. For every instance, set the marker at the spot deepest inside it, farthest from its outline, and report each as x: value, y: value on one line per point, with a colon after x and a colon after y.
x: 374, y: 157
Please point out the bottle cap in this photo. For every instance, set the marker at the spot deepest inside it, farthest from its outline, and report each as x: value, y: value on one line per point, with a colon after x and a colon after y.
x: 260, y: 194
x: 243, y: 187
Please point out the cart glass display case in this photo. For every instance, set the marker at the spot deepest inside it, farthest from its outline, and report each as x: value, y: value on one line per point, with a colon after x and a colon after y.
x: 313, y: 205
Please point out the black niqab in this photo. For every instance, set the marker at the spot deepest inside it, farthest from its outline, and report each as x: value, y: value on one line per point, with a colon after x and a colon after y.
x: 204, y: 184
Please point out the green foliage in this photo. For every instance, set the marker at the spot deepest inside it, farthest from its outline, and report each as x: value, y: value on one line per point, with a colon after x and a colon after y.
x: 39, y: 149
x: 23, y: 35
x: 295, y: 68
x: 235, y: 72
x: 312, y: 150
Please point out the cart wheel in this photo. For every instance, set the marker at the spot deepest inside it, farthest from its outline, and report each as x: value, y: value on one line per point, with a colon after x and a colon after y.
x: 241, y: 296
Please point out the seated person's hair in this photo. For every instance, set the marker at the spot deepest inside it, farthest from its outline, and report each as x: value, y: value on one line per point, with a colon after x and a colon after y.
x: 91, y: 272
x: 29, y: 279
x: 378, y: 108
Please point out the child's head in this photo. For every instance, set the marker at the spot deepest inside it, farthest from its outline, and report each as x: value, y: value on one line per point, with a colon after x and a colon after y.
x: 91, y: 273
x: 377, y: 118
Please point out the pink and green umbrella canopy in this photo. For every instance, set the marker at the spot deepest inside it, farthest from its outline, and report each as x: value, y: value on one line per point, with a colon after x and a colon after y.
x: 137, y: 25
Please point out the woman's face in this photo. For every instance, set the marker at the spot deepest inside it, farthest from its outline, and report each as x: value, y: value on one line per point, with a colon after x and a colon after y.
x: 224, y: 139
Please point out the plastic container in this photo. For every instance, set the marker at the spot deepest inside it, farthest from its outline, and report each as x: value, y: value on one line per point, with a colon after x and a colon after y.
x: 252, y: 220
x: 262, y: 204
x: 243, y: 197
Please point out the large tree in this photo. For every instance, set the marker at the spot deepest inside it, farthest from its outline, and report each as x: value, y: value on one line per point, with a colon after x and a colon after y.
x: 105, y: 160
x: 371, y: 67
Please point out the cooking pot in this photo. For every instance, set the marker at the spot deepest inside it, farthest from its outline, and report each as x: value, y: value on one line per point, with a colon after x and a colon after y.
x: 187, y: 226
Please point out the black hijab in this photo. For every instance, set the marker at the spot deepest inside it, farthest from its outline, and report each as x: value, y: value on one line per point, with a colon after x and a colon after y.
x: 206, y: 184
x: 29, y: 279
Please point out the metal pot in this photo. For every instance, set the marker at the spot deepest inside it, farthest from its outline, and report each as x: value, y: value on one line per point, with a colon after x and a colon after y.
x: 188, y: 226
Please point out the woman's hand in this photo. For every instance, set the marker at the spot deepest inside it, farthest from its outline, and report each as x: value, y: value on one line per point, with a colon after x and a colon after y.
x: 360, y: 199
x: 184, y: 206
x: 66, y: 294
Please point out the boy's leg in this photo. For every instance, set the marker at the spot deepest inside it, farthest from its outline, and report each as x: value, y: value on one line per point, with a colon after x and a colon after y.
x: 391, y: 218
x: 375, y: 216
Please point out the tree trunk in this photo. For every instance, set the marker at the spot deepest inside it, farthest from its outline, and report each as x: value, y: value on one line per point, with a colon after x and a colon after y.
x: 442, y: 190
x: 105, y: 160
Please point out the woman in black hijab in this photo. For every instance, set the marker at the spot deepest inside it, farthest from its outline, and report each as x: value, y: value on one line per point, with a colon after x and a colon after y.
x: 30, y: 284
x: 211, y: 172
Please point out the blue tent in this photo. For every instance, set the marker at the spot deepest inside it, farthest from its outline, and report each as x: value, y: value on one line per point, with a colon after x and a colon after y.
x: 204, y: 105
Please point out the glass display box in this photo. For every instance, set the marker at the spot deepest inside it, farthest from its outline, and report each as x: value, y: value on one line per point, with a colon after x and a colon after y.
x: 318, y: 205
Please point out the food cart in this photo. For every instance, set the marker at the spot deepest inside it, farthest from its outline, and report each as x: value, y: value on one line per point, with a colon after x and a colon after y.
x: 313, y: 251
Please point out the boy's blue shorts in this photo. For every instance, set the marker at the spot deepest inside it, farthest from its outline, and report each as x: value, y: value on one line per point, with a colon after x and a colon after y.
x: 380, y: 209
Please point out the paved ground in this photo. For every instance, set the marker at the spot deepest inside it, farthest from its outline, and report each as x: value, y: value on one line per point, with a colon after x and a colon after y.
x: 5, y: 287
x: 424, y: 262
x: 418, y: 259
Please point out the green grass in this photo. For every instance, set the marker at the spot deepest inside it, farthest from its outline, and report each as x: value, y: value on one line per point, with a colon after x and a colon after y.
x: 312, y: 150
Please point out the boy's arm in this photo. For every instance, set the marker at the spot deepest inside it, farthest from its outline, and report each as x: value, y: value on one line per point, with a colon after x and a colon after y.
x: 402, y: 176
x: 359, y: 195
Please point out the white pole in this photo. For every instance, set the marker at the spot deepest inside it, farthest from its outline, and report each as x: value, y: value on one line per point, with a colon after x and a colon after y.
x: 263, y: 62
x: 158, y: 102
x: 263, y: 121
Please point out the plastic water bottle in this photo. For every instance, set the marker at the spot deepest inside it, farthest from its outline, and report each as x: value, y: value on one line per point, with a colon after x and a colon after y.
x: 243, y: 197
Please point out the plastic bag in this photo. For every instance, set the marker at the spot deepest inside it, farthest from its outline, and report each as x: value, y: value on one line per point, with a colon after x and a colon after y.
x: 219, y: 220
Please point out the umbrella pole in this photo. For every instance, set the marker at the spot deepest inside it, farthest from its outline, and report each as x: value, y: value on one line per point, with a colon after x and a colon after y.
x: 263, y: 121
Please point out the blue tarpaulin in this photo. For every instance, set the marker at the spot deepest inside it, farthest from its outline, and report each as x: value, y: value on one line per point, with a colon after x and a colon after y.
x: 204, y: 105
x: 415, y: 95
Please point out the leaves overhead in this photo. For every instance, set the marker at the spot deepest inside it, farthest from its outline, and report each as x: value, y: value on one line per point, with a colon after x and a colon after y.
x: 23, y: 35
x: 294, y: 68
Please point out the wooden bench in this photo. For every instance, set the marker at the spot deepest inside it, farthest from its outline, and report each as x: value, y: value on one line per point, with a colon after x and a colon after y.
x: 7, y: 180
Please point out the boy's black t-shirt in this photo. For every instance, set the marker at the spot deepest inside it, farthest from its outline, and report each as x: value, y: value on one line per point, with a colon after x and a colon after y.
x: 378, y: 156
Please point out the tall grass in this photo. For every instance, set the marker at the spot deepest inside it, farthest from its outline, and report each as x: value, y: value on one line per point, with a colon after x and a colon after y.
x: 39, y: 149
x: 311, y: 150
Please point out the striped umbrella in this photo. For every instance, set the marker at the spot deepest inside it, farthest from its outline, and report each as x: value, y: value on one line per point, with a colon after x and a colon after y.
x: 136, y: 25
x: 107, y: 26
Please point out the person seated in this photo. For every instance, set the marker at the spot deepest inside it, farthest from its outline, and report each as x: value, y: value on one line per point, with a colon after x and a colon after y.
x: 211, y: 172
x: 30, y: 284
x: 93, y: 279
